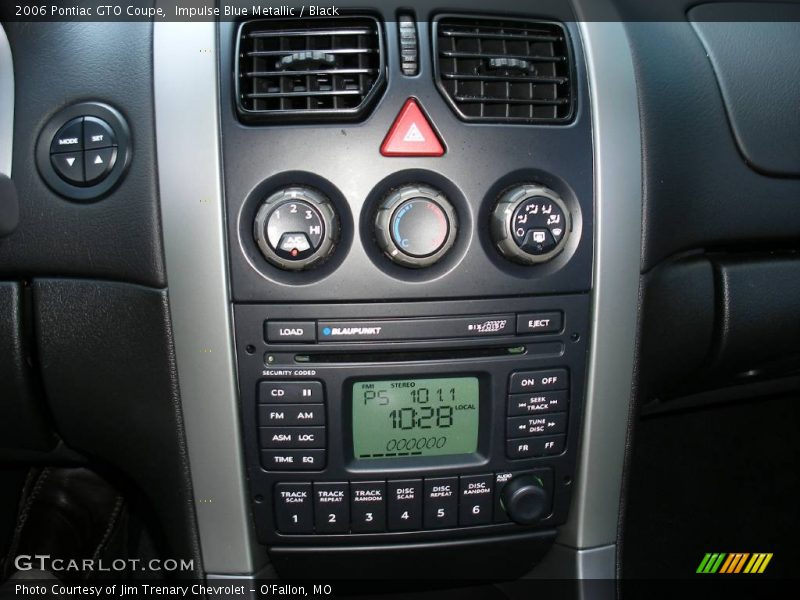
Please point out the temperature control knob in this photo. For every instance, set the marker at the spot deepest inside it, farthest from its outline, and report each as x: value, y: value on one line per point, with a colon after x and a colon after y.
x: 530, y: 224
x: 416, y: 226
x: 296, y: 228
x: 525, y: 500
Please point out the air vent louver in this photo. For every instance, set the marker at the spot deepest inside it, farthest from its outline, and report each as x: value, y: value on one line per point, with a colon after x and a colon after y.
x: 309, y: 69
x: 504, y: 70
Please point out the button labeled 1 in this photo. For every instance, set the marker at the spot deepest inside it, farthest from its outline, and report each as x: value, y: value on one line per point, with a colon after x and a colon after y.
x: 293, y: 510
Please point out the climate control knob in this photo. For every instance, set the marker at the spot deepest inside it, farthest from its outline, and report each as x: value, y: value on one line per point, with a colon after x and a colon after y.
x: 416, y: 226
x: 296, y: 228
x: 530, y: 224
x: 525, y: 500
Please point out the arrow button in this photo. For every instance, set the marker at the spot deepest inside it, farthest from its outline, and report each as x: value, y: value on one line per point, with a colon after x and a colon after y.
x: 99, y: 163
x: 69, y: 166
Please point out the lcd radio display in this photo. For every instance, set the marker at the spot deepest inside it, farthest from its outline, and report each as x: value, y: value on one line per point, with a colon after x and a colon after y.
x: 415, y: 417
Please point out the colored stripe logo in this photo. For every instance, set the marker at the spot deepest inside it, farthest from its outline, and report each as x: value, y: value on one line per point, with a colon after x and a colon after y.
x: 733, y: 563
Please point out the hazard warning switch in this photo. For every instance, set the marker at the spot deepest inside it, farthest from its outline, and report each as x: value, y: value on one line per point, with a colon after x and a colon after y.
x: 412, y: 134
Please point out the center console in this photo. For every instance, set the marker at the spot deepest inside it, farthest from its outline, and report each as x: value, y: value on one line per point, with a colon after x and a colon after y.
x: 425, y: 255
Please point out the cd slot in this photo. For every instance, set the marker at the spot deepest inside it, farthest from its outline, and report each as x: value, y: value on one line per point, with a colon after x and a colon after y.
x: 542, y: 349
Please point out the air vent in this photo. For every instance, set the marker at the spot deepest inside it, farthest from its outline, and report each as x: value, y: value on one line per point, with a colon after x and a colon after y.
x: 309, y: 69
x: 504, y: 70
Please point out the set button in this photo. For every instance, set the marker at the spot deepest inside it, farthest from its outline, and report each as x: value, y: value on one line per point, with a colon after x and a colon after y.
x: 84, y: 151
x: 292, y: 429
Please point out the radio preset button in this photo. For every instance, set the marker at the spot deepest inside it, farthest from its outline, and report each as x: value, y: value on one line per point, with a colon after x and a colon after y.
x: 283, y: 392
x: 476, y: 499
x: 536, y: 446
x: 405, y: 505
x: 293, y: 460
x: 537, y: 425
x: 292, y: 437
x: 332, y: 507
x: 530, y: 404
x: 277, y: 415
x: 546, y: 322
x: 441, y: 502
x: 293, y: 510
x: 534, y: 381
x: 368, y: 506
x: 287, y: 332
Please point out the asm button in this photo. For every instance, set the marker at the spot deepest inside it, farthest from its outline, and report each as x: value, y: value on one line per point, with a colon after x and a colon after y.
x: 292, y: 437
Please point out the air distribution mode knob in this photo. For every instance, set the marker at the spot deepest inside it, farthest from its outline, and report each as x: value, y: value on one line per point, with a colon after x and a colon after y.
x: 416, y: 226
x: 525, y: 500
x: 530, y: 224
x: 296, y: 228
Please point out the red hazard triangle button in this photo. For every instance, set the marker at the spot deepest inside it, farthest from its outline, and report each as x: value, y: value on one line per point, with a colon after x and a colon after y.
x: 412, y: 134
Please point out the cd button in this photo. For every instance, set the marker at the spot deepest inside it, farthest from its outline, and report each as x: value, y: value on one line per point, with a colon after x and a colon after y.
x: 283, y: 392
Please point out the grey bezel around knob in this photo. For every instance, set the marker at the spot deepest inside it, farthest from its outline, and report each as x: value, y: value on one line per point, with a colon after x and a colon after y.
x: 383, y: 224
x: 503, y: 214
x: 329, y: 218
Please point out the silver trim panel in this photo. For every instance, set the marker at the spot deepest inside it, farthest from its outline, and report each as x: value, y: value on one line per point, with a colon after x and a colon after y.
x: 618, y: 208
x: 6, y: 104
x: 187, y: 128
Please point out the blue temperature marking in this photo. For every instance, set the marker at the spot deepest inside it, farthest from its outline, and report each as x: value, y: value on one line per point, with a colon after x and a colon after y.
x: 399, y: 239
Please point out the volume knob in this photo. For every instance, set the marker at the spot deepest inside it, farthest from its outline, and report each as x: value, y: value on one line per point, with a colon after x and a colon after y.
x: 525, y: 500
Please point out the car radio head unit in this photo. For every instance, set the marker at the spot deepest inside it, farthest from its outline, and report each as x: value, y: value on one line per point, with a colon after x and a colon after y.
x: 397, y: 422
